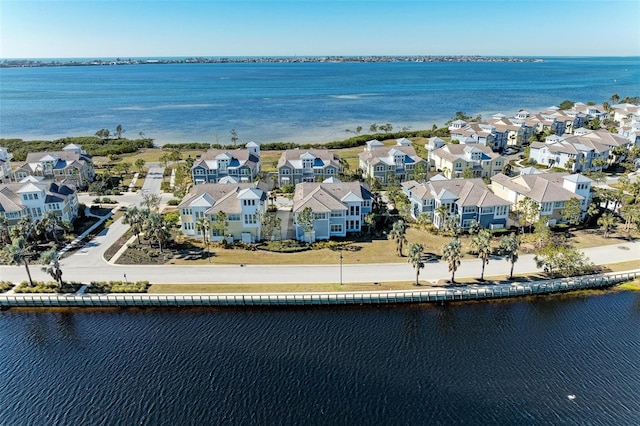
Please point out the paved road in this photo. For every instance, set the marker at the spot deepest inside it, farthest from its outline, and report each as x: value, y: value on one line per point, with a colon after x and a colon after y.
x: 95, y: 268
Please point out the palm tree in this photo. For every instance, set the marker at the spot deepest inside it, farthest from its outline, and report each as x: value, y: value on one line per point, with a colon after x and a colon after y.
x: 50, y: 223
x: 234, y: 136
x: 452, y: 253
x: 156, y: 230
x: 52, y: 265
x: 509, y: 246
x: 398, y: 233
x: 134, y: 217
x: 19, y: 251
x: 119, y: 131
x: 23, y: 229
x: 481, y: 244
x: 415, y: 258
x: 607, y: 221
x: 203, y: 225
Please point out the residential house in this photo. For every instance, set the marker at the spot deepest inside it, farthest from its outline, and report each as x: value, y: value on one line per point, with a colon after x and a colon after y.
x: 466, y: 199
x: 575, y: 153
x: 338, y: 208
x: 480, y: 133
x: 453, y: 159
x: 387, y: 163
x: 72, y: 164
x: 242, y: 165
x: 433, y: 144
x: 591, y: 111
x: 243, y: 203
x: 307, y: 165
x: 550, y: 190
x: 32, y: 197
x: 5, y: 165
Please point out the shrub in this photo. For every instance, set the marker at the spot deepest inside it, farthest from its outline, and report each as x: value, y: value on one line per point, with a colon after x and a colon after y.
x: 47, y: 287
x: 117, y: 287
x: 286, y: 246
x: 5, y: 286
x: 173, y: 202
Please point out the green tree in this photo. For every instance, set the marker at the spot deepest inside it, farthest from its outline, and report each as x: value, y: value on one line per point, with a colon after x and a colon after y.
x: 220, y: 224
x: 373, y: 128
x: 415, y: 258
x: 156, y: 230
x: 51, y: 263
x: 203, y: 225
x: 481, y: 245
x: 398, y: 234
x: 234, y: 136
x: 467, y: 173
x: 631, y: 214
x: 19, y: 252
x: 452, y: 253
x: 119, y: 131
x: 139, y: 163
x: 509, y: 246
x: 103, y: 134
x: 607, y: 222
x: 565, y: 105
x: 474, y: 227
x: 572, y: 212
x: 527, y: 212
x: 151, y: 201
x: 421, y: 171
x: 305, y: 220
x: 134, y: 217
x: 561, y: 260
x: 5, y: 236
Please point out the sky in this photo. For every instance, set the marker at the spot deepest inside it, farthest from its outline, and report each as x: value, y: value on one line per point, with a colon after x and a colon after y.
x: 165, y: 28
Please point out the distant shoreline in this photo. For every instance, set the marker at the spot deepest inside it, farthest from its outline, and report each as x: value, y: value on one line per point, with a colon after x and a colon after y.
x: 13, y: 63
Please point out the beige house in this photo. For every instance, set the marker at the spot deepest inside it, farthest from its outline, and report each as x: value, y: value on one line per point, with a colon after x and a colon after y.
x: 243, y: 203
x: 550, y: 190
x: 453, y: 159
x: 387, y: 162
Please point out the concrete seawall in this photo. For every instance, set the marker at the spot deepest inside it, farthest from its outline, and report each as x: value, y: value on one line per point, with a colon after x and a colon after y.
x: 460, y: 293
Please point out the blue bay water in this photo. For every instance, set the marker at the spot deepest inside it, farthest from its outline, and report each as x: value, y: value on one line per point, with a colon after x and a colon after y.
x: 299, y: 102
x: 505, y: 363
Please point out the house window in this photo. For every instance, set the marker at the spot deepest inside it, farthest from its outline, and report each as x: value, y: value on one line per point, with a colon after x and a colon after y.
x: 250, y: 219
x: 285, y: 171
x: 354, y: 210
x: 486, y: 210
x: 331, y: 171
x: 336, y: 228
x: 248, y: 202
x: 337, y: 213
x: 318, y: 216
x: 379, y: 168
x: 469, y: 209
x: 501, y: 210
x: 233, y: 217
x: 558, y: 205
x: 467, y: 223
x: 546, y: 207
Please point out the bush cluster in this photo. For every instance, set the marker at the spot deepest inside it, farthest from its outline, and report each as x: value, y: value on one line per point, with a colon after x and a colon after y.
x: 47, y: 287
x: 286, y: 246
x: 117, y: 287
x: 92, y: 144
x: 5, y: 286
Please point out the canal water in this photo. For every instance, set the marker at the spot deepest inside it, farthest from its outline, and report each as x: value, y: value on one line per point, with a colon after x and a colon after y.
x: 545, y: 360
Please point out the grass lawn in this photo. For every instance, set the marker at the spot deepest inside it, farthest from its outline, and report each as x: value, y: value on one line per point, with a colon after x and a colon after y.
x: 278, y: 288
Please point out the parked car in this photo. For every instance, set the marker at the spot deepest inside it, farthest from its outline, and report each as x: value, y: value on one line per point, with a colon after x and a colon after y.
x: 510, y: 151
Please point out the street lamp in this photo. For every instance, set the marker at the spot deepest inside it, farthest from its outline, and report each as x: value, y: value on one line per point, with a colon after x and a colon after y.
x: 340, y: 265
